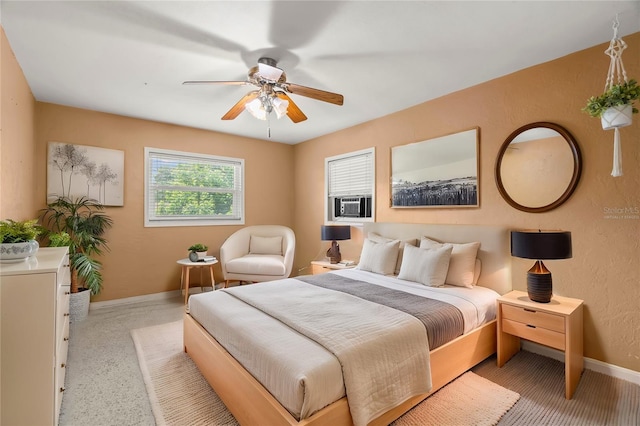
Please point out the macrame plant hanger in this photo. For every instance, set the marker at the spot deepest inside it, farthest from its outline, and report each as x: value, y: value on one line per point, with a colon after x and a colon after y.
x: 616, y: 75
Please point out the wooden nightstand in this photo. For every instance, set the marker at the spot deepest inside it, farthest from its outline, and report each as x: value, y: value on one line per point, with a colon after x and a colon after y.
x: 322, y: 266
x: 557, y: 324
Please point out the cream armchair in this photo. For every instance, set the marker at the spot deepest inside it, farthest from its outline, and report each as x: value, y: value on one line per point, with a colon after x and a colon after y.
x: 258, y: 253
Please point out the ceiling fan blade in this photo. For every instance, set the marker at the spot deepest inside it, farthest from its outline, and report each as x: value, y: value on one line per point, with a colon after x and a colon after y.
x: 239, y: 107
x: 321, y: 95
x: 233, y: 83
x: 293, y: 112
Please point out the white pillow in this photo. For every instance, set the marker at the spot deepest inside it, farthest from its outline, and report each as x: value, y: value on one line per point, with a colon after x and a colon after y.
x: 476, y: 271
x: 379, y: 257
x: 265, y: 245
x: 425, y: 266
x: 380, y: 239
x: 463, y: 261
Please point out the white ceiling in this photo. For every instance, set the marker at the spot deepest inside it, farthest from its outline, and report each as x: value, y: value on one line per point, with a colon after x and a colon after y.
x: 130, y: 58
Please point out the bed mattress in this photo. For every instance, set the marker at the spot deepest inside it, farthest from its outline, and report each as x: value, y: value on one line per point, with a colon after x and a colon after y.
x: 300, y: 373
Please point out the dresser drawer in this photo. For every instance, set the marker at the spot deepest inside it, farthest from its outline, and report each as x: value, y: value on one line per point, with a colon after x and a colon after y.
x: 64, y: 273
x: 62, y: 309
x: 534, y: 318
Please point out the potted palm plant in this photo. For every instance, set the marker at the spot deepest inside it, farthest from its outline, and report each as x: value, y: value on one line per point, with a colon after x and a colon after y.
x: 79, y: 224
x: 18, y: 239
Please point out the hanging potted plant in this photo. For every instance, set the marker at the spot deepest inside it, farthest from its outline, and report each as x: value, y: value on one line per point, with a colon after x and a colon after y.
x: 79, y: 224
x: 18, y: 239
x: 615, y: 106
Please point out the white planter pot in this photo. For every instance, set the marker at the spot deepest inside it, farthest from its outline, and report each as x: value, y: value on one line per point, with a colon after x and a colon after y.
x: 79, y: 305
x: 616, y: 117
x: 201, y: 254
x: 17, y: 252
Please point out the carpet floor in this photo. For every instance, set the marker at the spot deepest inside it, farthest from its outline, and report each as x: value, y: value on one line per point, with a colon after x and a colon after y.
x: 179, y: 395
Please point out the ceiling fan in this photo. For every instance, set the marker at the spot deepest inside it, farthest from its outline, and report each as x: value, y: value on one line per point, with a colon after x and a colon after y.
x: 272, y: 94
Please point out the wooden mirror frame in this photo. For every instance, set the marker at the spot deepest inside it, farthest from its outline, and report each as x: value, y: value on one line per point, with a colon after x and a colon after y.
x: 577, y: 167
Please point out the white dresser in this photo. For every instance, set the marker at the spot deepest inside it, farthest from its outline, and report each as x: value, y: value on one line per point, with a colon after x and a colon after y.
x: 34, y: 319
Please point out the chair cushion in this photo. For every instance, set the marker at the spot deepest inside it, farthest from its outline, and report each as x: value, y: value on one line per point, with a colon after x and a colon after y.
x: 257, y: 264
x: 265, y: 245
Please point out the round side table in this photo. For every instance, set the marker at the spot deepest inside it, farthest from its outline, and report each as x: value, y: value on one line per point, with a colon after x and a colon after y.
x: 187, y: 265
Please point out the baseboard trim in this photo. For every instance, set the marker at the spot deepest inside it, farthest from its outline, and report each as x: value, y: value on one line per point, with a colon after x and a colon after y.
x: 144, y: 298
x: 135, y: 299
x: 589, y: 363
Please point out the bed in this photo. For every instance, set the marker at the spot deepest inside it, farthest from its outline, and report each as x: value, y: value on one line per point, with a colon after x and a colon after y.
x: 250, y: 401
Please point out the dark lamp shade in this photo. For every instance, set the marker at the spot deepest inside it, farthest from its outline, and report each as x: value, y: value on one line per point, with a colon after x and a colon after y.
x: 335, y: 232
x: 541, y: 245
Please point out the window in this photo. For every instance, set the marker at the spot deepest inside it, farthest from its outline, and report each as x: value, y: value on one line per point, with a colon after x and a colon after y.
x: 350, y: 187
x: 188, y: 189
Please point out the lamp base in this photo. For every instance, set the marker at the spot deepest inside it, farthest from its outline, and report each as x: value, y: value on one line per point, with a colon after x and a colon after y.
x: 334, y: 253
x: 539, y: 283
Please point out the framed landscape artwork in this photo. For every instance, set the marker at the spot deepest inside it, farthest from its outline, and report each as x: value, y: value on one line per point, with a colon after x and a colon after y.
x: 439, y: 172
x: 78, y: 170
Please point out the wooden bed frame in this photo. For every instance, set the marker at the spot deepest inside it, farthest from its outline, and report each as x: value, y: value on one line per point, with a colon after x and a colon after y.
x: 252, y: 404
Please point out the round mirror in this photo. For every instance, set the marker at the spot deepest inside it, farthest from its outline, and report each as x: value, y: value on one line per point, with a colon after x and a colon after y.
x: 538, y: 167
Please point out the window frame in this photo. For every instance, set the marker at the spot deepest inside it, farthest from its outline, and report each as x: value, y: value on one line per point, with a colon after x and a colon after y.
x: 203, y: 221
x: 355, y: 221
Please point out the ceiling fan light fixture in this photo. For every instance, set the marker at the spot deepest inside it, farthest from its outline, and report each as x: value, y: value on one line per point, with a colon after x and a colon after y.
x: 269, y: 72
x: 257, y: 109
x: 279, y: 106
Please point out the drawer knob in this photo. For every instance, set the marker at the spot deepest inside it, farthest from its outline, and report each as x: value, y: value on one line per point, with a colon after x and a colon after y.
x: 531, y: 326
x: 62, y: 390
x: 66, y: 339
x: 529, y: 310
x: 66, y: 314
x: 63, y: 365
x: 67, y: 293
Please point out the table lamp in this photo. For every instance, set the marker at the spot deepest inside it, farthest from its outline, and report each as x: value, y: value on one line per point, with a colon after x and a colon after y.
x: 335, y: 233
x: 540, y: 245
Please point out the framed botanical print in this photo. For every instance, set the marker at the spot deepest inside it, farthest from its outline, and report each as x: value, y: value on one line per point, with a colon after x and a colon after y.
x: 85, y: 171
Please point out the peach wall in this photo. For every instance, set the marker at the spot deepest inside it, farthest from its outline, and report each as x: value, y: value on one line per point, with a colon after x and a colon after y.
x: 143, y: 260
x: 17, y: 142
x: 605, y: 268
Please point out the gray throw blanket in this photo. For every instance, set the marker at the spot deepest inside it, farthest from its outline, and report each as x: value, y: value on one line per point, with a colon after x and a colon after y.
x: 443, y: 321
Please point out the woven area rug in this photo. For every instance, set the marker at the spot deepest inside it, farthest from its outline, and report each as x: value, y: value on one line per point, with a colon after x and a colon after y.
x: 179, y: 395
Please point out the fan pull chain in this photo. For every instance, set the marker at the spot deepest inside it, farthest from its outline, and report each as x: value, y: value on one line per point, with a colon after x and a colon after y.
x: 269, y: 125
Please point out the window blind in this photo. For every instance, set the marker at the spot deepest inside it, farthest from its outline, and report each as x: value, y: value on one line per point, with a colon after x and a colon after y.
x: 193, y: 187
x: 351, y: 175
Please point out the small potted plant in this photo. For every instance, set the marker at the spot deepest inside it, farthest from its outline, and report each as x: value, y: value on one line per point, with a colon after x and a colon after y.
x: 18, y: 239
x: 615, y: 106
x: 199, y: 249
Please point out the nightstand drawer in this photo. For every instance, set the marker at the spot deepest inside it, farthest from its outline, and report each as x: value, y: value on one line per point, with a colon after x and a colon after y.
x: 532, y: 317
x: 536, y: 334
x: 317, y: 269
